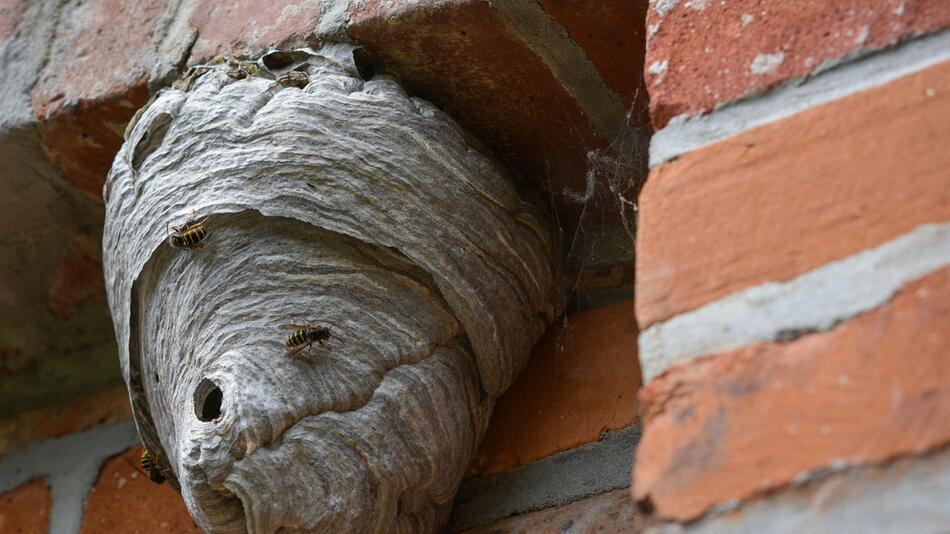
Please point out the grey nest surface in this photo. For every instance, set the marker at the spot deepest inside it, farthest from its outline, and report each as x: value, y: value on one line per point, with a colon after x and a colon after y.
x: 331, y: 200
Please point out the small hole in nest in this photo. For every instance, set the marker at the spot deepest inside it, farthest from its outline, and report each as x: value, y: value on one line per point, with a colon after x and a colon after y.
x: 208, y: 399
x: 280, y: 59
x: 151, y: 140
x: 363, y: 65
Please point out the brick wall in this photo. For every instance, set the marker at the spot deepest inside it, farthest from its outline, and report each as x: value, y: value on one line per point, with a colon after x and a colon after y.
x: 792, y: 268
x: 555, y: 89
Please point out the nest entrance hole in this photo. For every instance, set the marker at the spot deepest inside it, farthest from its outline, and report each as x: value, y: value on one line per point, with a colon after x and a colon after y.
x: 208, y: 400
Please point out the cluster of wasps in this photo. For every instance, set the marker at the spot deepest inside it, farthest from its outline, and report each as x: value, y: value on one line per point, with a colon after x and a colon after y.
x: 250, y: 69
x: 239, y: 69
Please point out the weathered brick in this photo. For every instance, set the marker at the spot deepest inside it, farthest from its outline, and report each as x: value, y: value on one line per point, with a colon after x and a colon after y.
x: 125, y: 500
x: 105, y: 54
x: 465, y: 57
x: 94, y: 81
x: 10, y: 13
x: 51, y: 422
x: 702, y: 53
x: 581, y: 380
x: 612, y: 35
x: 96, y: 54
x: 247, y: 26
x: 56, y: 339
x: 611, y: 512
x: 78, y: 279
x: 785, y: 198
x: 84, y: 139
x: 737, y: 424
x: 25, y: 509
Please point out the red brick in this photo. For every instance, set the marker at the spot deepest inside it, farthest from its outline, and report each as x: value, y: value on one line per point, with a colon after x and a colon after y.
x: 611, y: 32
x: 611, y: 512
x: 774, y: 202
x: 581, y: 380
x: 55, y: 421
x: 710, y: 47
x: 741, y: 423
x: 25, y: 509
x: 245, y: 26
x: 464, y: 57
x: 78, y: 279
x: 124, y: 500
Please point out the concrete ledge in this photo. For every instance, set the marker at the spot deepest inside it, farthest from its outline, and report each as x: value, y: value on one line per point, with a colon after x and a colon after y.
x: 612, y: 512
x: 554, y: 481
x: 684, y: 134
x: 812, y: 302
x: 908, y: 495
x: 70, y: 465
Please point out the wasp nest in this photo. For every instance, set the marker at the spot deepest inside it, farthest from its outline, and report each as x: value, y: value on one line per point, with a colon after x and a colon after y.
x: 292, y: 190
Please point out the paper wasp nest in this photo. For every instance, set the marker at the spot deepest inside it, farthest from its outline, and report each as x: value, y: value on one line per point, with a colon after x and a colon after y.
x: 336, y: 201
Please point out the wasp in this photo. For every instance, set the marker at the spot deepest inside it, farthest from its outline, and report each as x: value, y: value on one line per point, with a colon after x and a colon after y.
x: 305, y: 336
x: 189, y: 235
x: 150, y: 464
x: 293, y: 78
x: 247, y: 69
x: 150, y: 467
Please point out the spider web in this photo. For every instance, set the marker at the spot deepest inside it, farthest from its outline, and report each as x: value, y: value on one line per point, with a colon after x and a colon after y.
x: 597, y: 226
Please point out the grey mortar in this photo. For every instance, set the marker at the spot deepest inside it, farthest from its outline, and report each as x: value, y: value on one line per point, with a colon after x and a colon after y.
x: 812, y: 302
x: 70, y: 465
x: 559, y: 479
